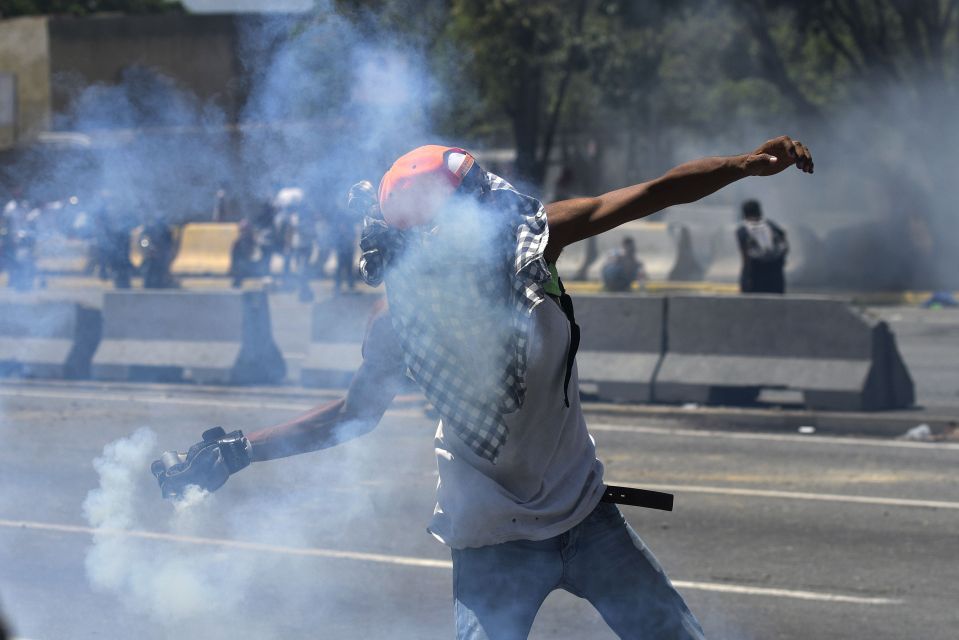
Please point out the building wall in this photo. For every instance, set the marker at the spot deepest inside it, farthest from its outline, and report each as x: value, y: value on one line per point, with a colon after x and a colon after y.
x: 24, y: 47
x: 198, y: 52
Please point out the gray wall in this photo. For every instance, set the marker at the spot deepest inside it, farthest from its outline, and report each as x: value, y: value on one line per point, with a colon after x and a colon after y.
x: 197, y: 51
x: 23, y: 52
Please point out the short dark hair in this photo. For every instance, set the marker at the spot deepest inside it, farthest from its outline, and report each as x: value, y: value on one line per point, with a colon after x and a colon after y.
x: 752, y: 210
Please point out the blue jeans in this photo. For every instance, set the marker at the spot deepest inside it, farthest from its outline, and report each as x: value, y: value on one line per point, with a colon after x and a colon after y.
x: 499, y: 588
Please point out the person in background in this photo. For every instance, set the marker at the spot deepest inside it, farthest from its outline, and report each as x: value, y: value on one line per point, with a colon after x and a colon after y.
x: 18, y: 241
x: 621, y: 267
x: 99, y: 261
x: 302, y: 244
x: 763, y: 246
x: 244, y: 255
x: 225, y: 208
x: 118, y: 224
x: 264, y: 231
x: 158, y: 247
x: 343, y: 227
x: 287, y: 203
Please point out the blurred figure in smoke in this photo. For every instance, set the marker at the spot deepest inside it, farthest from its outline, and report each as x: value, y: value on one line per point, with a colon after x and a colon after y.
x: 98, y: 235
x: 479, y: 319
x: 303, y: 239
x: 343, y: 229
x: 18, y: 241
x: 114, y: 225
x: 622, y: 267
x: 763, y: 246
x: 264, y: 231
x: 295, y: 226
x: 118, y: 251
x: 244, y: 255
x: 158, y: 247
x: 325, y: 239
x: 225, y: 208
x: 287, y: 206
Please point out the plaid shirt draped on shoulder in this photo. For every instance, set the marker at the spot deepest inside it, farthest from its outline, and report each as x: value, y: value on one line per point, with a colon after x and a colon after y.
x: 465, y: 331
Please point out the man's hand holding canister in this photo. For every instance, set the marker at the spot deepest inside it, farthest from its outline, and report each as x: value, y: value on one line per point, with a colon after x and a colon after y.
x: 207, y: 464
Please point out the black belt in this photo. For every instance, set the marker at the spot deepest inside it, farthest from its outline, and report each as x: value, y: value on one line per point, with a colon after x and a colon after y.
x: 639, y: 498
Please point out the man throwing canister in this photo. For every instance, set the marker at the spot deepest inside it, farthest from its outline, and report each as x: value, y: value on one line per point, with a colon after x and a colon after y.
x: 478, y: 318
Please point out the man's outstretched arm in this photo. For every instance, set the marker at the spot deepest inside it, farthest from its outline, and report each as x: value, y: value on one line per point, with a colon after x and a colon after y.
x: 209, y: 463
x: 372, y: 390
x: 574, y: 220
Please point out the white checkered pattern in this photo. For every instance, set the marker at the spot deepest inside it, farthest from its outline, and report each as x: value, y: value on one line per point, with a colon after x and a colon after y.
x: 464, y: 328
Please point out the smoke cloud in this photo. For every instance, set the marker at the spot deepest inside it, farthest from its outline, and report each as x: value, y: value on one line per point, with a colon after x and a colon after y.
x: 218, y: 591
x: 325, y: 106
x: 171, y: 585
x: 879, y: 213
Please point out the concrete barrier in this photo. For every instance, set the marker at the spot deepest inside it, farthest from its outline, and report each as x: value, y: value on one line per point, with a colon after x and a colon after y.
x: 576, y: 259
x: 210, y: 338
x: 47, y: 339
x: 622, y: 343
x: 205, y: 248
x: 725, y: 349
x: 336, y: 340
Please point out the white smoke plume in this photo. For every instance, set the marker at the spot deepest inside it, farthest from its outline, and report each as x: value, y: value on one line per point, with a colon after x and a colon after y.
x: 170, y: 584
x: 175, y: 564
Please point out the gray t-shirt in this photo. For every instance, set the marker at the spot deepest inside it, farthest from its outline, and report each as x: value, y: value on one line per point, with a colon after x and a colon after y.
x: 547, y: 478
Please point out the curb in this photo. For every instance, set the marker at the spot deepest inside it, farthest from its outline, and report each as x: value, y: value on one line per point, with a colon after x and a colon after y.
x: 275, y: 393
x: 878, y: 424
x: 59, y: 281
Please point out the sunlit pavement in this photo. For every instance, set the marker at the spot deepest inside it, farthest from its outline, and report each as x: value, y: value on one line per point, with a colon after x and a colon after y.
x: 775, y: 535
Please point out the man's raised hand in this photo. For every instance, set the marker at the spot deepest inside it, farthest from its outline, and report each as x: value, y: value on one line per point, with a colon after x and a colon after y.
x: 774, y: 156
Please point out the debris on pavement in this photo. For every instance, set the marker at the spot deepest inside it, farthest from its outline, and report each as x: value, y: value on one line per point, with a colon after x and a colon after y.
x: 919, y: 433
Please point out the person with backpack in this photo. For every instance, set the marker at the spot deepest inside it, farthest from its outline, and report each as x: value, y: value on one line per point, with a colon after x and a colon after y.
x: 763, y: 246
x: 478, y: 317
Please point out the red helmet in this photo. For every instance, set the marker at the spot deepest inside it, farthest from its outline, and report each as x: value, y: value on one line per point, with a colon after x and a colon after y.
x: 420, y: 182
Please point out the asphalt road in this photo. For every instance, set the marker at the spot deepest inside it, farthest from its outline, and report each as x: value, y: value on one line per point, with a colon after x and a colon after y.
x: 773, y: 536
